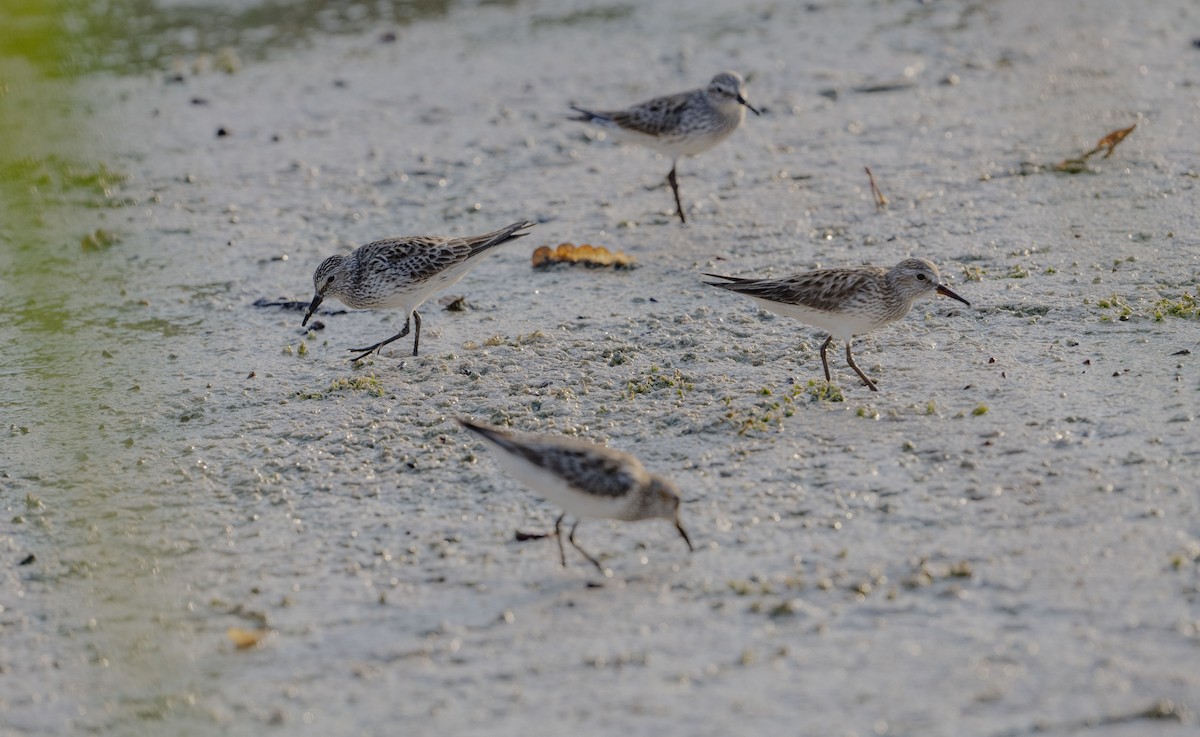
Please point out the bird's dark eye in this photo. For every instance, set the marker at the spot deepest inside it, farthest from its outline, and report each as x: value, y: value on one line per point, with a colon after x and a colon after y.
x: 330, y: 281
x: 921, y: 277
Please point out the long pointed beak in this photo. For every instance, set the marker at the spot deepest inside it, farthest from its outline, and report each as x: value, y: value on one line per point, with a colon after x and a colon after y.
x: 752, y: 108
x: 686, y: 539
x: 311, y: 309
x: 946, y: 291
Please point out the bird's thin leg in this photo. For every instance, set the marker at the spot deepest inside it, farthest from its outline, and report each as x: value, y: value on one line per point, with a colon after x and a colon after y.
x: 417, y: 339
x: 582, y: 552
x: 368, y: 351
x: 861, y: 375
x: 674, y: 182
x: 825, y: 359
x: 562, y: 556
x: 683, y: 533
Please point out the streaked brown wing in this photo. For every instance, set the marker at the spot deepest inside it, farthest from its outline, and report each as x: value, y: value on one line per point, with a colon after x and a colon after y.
x: 594, y: 472
x: 420, y: 256
x: 825, y: 289
x: 653, y: 117
x: 591, y: 468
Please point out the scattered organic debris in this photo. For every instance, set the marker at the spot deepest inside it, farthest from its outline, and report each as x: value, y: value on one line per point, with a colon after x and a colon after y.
x: 1110, y: 141
x: 282, y: 303
x: 98, y: 240
x: 1076, y: 165
x: 244, y: 639
x: 1163, y: 709
x: 656, y: 380
x: 973, y: 273
x: 881, y: 202
x: 1106, y: 144
x: 369, y: 384
x: 586, y: 254
x: 285, y: 304
x: 877, y: 87
x: 454, y: 303
x: 772, y: 407
x: 1117, y: 302
x: 1187, y: 306
x: 823, y: 391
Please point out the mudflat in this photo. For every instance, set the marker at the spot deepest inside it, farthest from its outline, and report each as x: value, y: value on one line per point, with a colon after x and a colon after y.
x: 1004, y: 540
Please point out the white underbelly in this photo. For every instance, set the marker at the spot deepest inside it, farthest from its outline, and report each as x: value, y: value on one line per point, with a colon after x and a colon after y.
x: 673, y: 146
x: 411, y: 295
x: 551, y: 487
x: 841, y: 325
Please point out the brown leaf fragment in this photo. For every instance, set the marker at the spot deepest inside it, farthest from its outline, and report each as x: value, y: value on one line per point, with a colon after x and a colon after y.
x: 542, y: 256
x: 1110, y: 141
x: 585, y: 253
x: 243, y: 639
x: 1071, y: 166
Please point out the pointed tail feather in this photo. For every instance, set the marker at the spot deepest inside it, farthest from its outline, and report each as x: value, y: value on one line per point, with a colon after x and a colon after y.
x: 729, y: 283
x: 487, y: 432
x: 589, y: 116
x: 504, y: 235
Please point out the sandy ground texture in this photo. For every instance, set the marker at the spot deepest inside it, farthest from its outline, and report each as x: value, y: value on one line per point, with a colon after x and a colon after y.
x: 1005, y: 540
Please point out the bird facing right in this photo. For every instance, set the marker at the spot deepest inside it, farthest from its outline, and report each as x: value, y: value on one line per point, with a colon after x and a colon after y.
x: 584, y: 479
x: 845, y: 302
x: 683, y: 124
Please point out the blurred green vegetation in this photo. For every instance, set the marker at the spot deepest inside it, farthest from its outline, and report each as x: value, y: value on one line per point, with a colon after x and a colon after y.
x: 64, y: 37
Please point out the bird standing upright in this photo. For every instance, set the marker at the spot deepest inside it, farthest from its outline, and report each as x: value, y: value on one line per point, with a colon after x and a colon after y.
x: 845, y: 302
x: 679, y: 125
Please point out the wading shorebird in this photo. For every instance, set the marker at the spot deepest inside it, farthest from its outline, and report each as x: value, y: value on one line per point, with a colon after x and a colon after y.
x: 845, y: 302
x: 401, y: 273
x: 583, y: 479
x: 679, y: 125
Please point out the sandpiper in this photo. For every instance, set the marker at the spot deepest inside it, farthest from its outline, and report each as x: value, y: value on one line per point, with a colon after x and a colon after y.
x: 400, y: 274
x: 845, y: 302
x: 584, y: 479
x: 678, y: 125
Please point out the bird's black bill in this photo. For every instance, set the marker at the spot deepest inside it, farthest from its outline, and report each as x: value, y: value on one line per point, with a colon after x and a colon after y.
x: 752, y: 108
x: 311, y: 309
x: 684, y: 534
x: 946, y: 291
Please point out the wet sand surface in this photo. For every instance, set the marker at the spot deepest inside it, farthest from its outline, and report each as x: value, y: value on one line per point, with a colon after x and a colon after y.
x: 1005, y: 540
